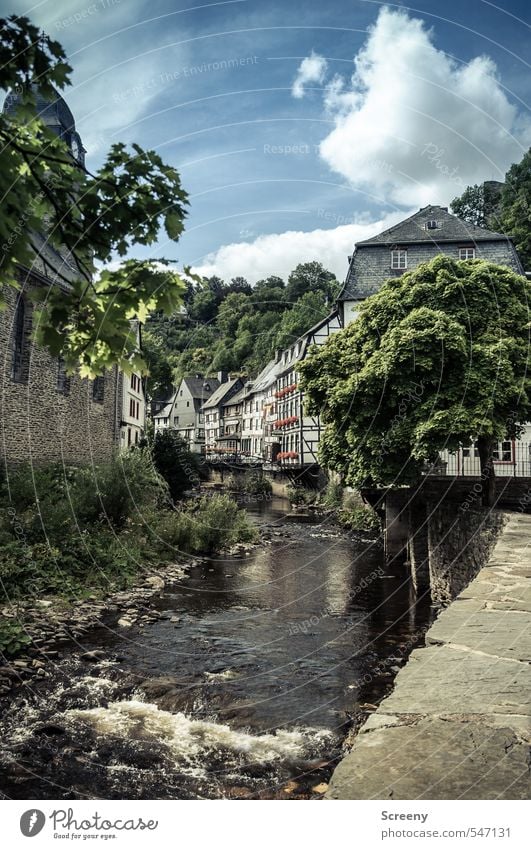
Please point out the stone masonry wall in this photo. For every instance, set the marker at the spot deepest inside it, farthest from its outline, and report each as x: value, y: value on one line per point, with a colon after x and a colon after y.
x: 38, y: 423
x: 459, y: 544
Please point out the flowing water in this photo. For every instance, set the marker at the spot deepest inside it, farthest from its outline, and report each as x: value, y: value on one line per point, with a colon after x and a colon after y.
x: 245, y: 688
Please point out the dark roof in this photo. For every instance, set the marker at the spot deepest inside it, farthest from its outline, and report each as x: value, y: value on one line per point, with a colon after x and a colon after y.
x: 450, y: 228
x: 369, y: 268
x: 221, y: 392
x: 197, y: 386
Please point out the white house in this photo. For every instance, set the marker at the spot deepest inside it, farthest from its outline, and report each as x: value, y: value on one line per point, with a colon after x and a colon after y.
x: 184, y: 411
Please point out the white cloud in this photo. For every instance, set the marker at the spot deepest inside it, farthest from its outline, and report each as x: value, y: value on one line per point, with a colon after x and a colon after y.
x: 311, y: 70
x: 413, y: 123
x: 279, y: 253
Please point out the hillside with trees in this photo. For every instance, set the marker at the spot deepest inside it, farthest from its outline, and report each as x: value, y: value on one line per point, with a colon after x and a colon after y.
x: 234, y: 326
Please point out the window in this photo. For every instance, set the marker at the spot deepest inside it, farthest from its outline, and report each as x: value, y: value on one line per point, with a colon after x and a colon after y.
x: 467, y: 253
x: 98, y: 389
x: 63, y: 381
x: 19, y: 342
x: 399, y: 259
x: 431, y: 225
x: 503, y: 452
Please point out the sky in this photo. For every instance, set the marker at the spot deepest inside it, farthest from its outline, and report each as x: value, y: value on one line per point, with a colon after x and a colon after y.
x: 298, y: 128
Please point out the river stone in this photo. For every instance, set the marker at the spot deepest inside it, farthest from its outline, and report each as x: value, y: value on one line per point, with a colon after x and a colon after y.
x: 435, y: 759
x: 156, y: 582
x: 124, y: 623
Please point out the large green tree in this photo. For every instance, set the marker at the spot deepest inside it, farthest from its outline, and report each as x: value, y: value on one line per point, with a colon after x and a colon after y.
x: 437, y: 358
x: 94, y: 217
x: 516, y: 207
x: 480, y: 205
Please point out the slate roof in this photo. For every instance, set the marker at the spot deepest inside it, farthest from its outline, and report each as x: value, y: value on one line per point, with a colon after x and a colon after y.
x: 196, y: 386
x: 368, y: 269
x: 220, y: 393
x: 164, y: 412
x: 450, y: 228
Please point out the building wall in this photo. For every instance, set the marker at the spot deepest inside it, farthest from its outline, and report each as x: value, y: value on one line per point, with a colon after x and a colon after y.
x: 371, y: 264
x: 133, y: 412
x: 40, y: 424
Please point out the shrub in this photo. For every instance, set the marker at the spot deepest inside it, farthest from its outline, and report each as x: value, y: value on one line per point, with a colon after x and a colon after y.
x: 180, y: 467
x: 332, y: 496
x: 252, y: 482
x: 360, y: 518
x: 13, y: 638
x: 300, y: 496
x: 207, y: 525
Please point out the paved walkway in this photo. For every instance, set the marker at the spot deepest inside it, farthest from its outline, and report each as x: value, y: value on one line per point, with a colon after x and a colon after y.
x: 458, y: 723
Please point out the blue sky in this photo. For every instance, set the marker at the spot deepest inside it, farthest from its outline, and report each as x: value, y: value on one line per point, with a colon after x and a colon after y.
x: 439, y: 98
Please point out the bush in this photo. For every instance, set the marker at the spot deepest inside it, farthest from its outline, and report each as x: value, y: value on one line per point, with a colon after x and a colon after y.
x: 299, y: 496
x: 180, y: 467
x: 360, y: 518
x: 209, y: 524
x: 332, y: 496
x: 252, y: 482
x: 13, y: 638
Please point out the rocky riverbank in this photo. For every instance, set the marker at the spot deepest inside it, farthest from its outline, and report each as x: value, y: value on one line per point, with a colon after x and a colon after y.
x: 457, y: 724
x: 55, y: 625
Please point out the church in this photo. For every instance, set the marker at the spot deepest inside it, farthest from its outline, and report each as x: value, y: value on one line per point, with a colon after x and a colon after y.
x: 45, y: 414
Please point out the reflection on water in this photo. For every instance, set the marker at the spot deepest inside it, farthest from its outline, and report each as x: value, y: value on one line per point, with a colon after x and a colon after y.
x: 250, y: 676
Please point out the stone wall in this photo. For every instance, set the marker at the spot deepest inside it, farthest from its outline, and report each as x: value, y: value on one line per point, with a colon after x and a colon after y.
x: 460, y: 544
x: 38, y: 422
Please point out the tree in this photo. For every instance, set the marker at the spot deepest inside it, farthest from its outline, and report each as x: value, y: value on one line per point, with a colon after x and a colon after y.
x: 307, y: 311
x: 173, y: 459
x: 516, y: 207
x: 310, y: 277
x: 480, y: 205
x: 437, y: 358
x: 92, y: 217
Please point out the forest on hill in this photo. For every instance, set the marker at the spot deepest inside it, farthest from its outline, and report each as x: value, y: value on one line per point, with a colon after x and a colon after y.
x: 234, y: 326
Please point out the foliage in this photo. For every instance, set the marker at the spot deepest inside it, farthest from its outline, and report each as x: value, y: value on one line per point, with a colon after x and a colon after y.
x: 516, y: 207
x: 299, y: 496
x: 252, y: 482
x: 360, y: 518
x: 179, y: 467
x: 332, y: 497
x: 206, y: 525
x: 480, y: 205
x: 437, y: 357
x: 13, y: 637
x: 231, y: 327
x: 88, y: 218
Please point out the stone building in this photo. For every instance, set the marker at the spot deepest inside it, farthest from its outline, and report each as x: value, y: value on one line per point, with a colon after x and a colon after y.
x: 429, y: 232
x: 46, y: 415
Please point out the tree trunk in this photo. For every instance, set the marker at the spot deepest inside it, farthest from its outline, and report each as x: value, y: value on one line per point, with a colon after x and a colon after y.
x: 488, y: 478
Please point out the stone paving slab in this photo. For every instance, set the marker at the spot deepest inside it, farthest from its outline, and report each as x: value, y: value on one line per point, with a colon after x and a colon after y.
x: 458, y: 722
x: 435, y: 759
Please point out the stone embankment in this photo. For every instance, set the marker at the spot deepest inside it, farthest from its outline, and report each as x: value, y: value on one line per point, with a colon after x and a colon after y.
x: 458, y: 722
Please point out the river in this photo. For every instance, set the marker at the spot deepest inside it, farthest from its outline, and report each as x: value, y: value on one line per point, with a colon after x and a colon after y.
x: 246, y: 688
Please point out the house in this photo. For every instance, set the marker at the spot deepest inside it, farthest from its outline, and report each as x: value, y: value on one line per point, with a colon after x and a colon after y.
x: 259, y: 414
x: 45, y: 414
x: 133, y: 403
x: 429, y: 232
x: 215, y: 409
x: 183, y: 411
x: 295, y: 433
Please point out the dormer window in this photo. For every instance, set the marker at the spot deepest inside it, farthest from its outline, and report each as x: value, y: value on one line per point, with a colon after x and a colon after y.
x: 399, y: 259
x: 467, y: 253
x: 431, y: 225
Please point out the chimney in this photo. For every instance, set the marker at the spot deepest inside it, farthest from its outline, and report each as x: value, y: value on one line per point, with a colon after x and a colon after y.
x: 222, y: 376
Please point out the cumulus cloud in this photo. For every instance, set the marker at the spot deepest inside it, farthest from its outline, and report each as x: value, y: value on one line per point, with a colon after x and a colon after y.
x: 415, y: 124
x: 279, y: 253
x: 312, y: 69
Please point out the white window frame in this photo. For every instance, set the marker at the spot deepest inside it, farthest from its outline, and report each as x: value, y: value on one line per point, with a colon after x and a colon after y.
x: 467, y: 253
x: 399, y: 259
